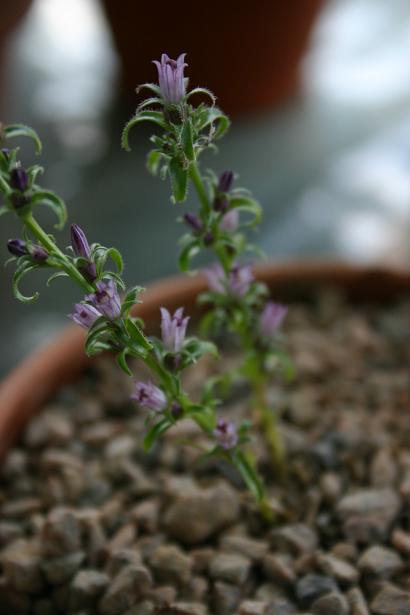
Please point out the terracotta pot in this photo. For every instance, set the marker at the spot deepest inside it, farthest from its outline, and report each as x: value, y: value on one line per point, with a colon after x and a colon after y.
x: 27, y: 388
x: 247, y: 53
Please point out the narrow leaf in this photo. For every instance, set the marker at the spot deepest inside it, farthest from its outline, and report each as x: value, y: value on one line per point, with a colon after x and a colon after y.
x: 156, y: 432
x: 20, y: 130
x: 51, y: 200
x: 179, y: 181
x: 156, y: 117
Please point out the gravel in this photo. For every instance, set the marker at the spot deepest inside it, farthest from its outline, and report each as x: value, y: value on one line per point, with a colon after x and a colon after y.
x: 91, y: 524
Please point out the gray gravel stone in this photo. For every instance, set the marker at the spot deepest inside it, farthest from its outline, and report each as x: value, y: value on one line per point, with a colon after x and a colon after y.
x: 312, y: 586
x: 296, y: 538
x: 368, y: 514
x: 279, y: 568
x: 401, y: 541
x: 198, y: 514
x: 128, y: 587
x: 391, y: 601
x: 252, y: 607
x: 21, y: 567
x: 230, y: 568
x: 255, y: 550
x: 330, y: 604
x: 59, y: 570
x: 342, y: 571
x: 86, y: 587
x: 357, y: 601
x: 171, y: 565
x: 225, y: 598
x: 61, y: 532
x: 380, y: 562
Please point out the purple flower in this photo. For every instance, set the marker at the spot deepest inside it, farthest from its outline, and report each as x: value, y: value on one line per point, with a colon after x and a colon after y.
x: 194, y: 222
x: 240, y: 280
x: 85, y: 315
x: 106, y: 299
x: 271, y: 318
x: 171, y: 78
x: 38, y: 253
x: 149, y: 396
x: 17, y: 247
x: 81, y: 248
x: 226, y: 434
x: 225, y: 182
x: 230, y: 221
x: 216, y: 278
x: 173, y: 329
x: 19, y: 179
x: 79, y: 242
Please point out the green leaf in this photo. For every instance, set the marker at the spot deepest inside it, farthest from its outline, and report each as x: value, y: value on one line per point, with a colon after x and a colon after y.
x: 153, y: 100
x: 249, y: 474
x: 131, y: 298
x: 59, y: 274
x: 188, y: 252
x: 204, y: 416
x: 154, y: 159
x: 98, y: 337
x: 248, y: 205
x: 179, y: 180
x: 20, y: 130
x: 24, y: 268
x: 156, y: 432
x: 51, y: 200
x: 215, y: 119
x: 122, y: 362
x: 137, y: 335
x: 100, y: 254
x: 3, y: 210
x: 187, y: 140
x: 157, y: 117
x: 152, y: 87
x: 204, y: 91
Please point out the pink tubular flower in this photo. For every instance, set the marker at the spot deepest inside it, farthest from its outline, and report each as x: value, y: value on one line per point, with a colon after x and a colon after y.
x: 230, y: 221
x: 216, y: 278
x: 225, y: 434
x: 149, y: 396
x: 171, y: 78
x: 173, y: 329
x: 271, y: 318
x: 240, y: 280
x: 85, y: 315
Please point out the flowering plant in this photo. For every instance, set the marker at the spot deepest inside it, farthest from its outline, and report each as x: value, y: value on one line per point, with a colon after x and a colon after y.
x: 237, y: 303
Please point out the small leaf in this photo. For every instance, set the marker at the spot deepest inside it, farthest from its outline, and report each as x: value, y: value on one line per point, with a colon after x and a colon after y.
x: 157, y: 117
x: 51, y: 200
x: 137, y: 335
x: 122, y: 362
x: 249, y: 474
x: 154, y: 161
x: 248, y: 205
x: 188, y: 252
x: 59, y: 274
x: 204, y: 91
x: 24, y: 268
x: 187, y: 140
x: 20, y: 130
x: 115, y: 255
x: 179, y: 180
x: 156, y: 432
x: 131, y: 298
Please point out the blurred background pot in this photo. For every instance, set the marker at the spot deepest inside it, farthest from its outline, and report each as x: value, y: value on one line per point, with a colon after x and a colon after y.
x: 248, y: 53
x: 24, y: 392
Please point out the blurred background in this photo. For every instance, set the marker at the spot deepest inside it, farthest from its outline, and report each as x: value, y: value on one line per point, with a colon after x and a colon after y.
x: 319, y: 92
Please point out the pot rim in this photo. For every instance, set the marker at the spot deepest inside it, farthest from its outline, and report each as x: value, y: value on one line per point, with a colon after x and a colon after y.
x: 59, y: 361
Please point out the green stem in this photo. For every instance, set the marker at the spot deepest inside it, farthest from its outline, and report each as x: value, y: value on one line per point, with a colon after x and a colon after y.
x: 52, y: 248
x: 199, y: 187
x: 269, y: 424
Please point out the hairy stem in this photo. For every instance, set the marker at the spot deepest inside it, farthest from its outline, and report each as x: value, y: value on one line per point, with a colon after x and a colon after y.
x: 45, y: 240
x: 268, y: 421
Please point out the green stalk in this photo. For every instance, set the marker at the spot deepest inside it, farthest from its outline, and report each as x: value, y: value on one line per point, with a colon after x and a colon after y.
x: 269, y: 423
x: 196, y: 178
x: 45, y: 240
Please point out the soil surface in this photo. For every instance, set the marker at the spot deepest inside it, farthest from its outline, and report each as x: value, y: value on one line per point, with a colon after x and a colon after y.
x: 91, y: 524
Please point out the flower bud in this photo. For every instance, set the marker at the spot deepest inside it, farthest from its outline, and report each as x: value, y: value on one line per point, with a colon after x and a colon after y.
x: 85, y: 315
x: 193, y: 221
x: 17, y: 247
x: 209, y: 238
x: 106, y: 299
x: 271, y: 318
x: 79, y: 242
x: 19, y: 179
x: 220, y: 203
x: 225, y: 182
x: 176, y: 410
x: 38, y: 253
